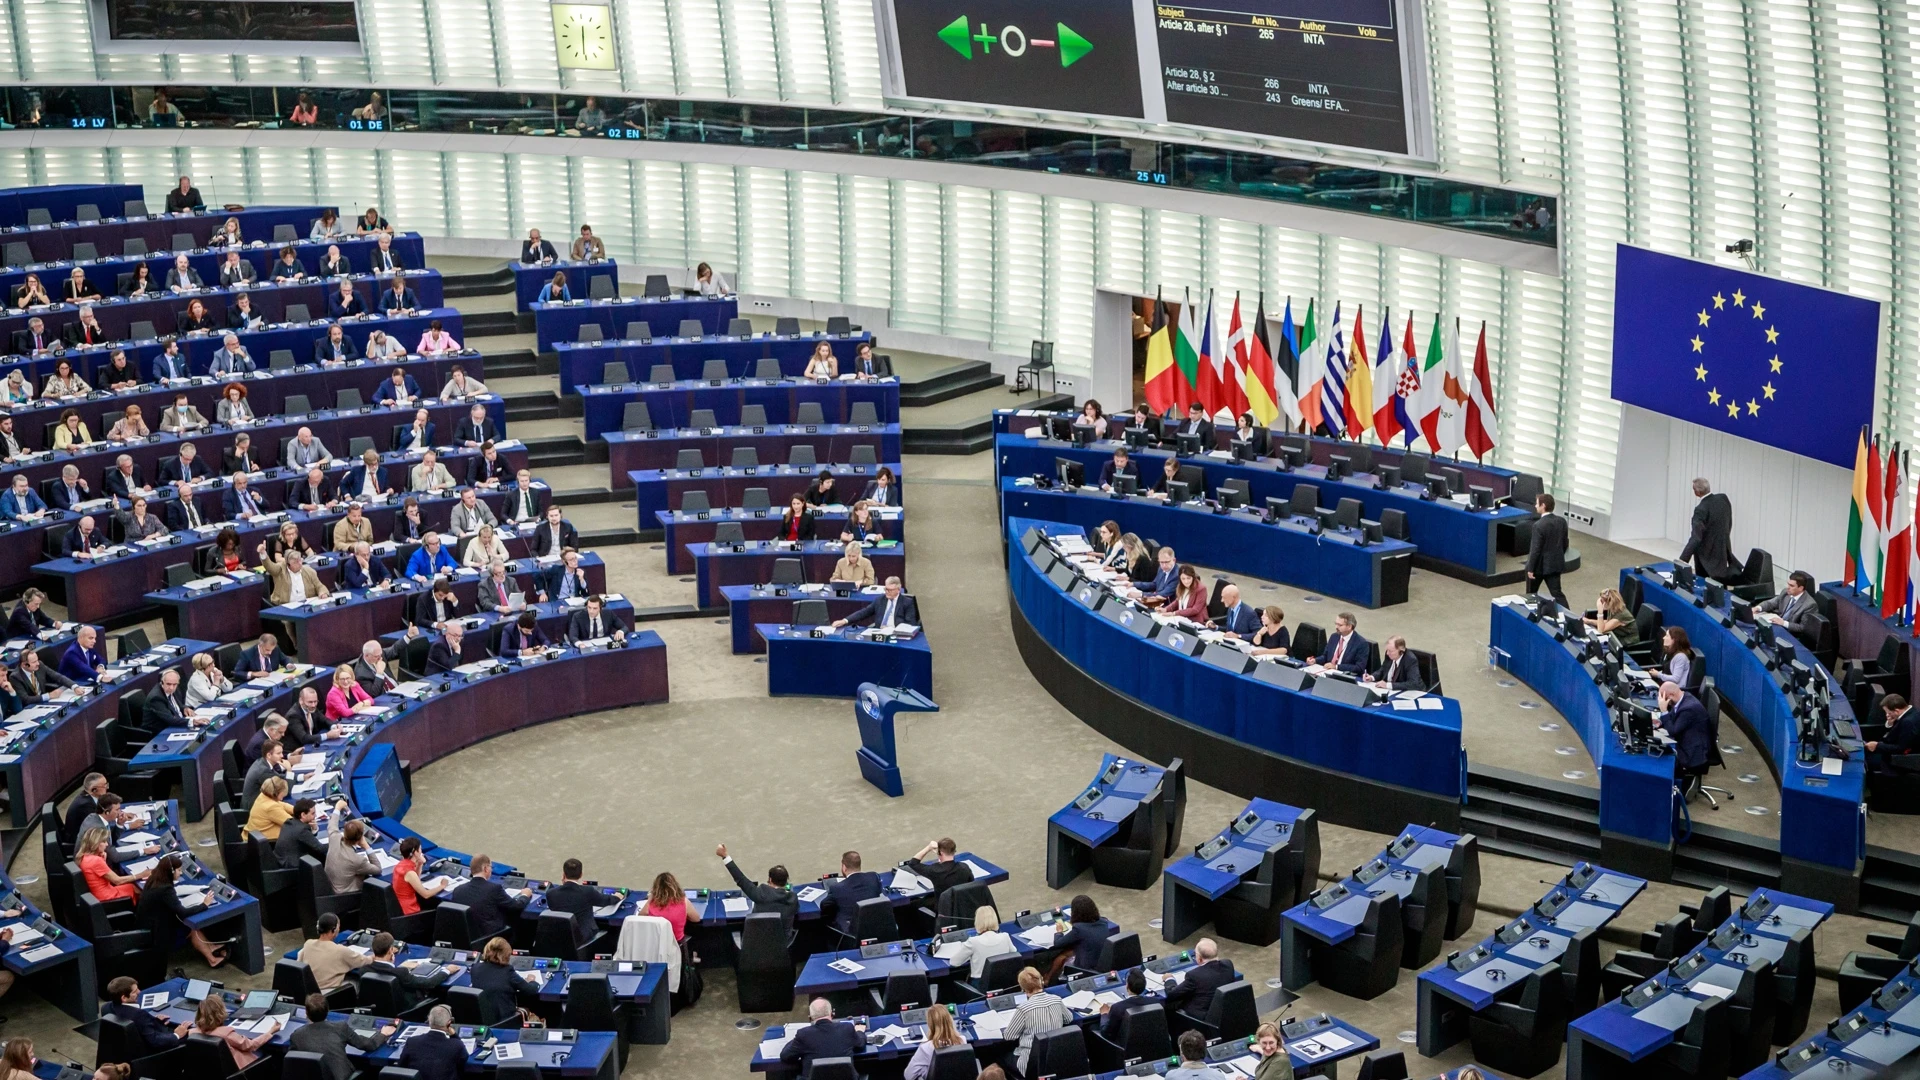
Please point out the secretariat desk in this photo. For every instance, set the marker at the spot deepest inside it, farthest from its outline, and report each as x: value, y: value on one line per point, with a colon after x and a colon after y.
x: 554, y: 323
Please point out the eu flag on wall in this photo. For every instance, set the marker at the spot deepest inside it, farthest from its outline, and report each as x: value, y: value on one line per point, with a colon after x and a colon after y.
x: 1787, y: 365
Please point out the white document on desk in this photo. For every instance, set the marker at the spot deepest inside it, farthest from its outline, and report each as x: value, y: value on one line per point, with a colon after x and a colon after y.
x: 735, y: 905
x: 991, y: 1024
x: 949, y: 950
x: 846, y: 966
x: 812, y: 894
x: 979, y: 872
x: 770, y: 1048
x: 1040, y: 937
x: 1080, y: 1001
x: 506, y: 1051
x: 44, y: 952
x: 908, y: 881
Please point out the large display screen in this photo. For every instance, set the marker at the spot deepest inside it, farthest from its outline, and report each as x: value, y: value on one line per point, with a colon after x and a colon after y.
x: 233, y: 22
x: 1346, y: 73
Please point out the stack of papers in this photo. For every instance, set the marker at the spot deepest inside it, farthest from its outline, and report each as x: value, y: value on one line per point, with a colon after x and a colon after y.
x: 506, y: 1051
x: 908, y: 881
x: 44, y: 952
x: 1327, y: 1042
x: 812, y: 894
x: 846, y: 966
x: 950, y: 950
x: 1041, y: 937
x: 770, y: 1048
x: 990, y: 1024
x: 1080, y: 1001
x: 735, y: 906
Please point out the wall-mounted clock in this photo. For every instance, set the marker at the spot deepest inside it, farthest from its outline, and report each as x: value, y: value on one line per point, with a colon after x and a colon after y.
x: 583, y: 36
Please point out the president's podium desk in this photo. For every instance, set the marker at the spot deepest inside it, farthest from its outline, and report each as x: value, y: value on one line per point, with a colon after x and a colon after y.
x: 1260, y: 861
x: 1821, y: 827
x: 1561, y: 927
x: 1451, y: 536
x: 1636, y: 788
x: 1289, y: 550
x: 835, y: 663
x: 1407, y: 750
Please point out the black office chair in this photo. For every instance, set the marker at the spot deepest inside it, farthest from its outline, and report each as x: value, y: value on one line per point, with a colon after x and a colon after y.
x: 85, y: 252
x: 601, y: 288
x: 40, y: 215
x: 379, y: 994
x: 755, y: 498
x: 296, y: 405
x: 635, y: 417
x: 1523, y: 1036
x: 1060, y: 1052
x: 1173, y: 803
x: 1756, y: 577
x: 873, y: 920
x: 763, y: 968
x: 825, y: 1068
x: 954, y: 910
x: 738, y: 327
x: 809, y: 412
x: 299, y: 313
x: 657, y: 286
x: 470, y: 1006
x: 789, y: 572
x: 786, y: 326
x: 1141, y: 1035
x: 1368, y: 965
x: 453, y: 925
x: 117, y: 1042
x: 303, y: 1064
x: 728, y: 532
x: 689, y: 458
x: 380, y: 910
x: 395, y: 1072
x: 903, y: 990
x: 839, y: 325
x: 814, y: 613
x: 1039, y: 361
x: 694, y: 502
x: 208, y: 1056
x: 1250, y: 911
x: 1118, y: 953
x: 1648, y: 622
x: 863, y: 454
x: 767, y: 368
x: 1231, y: 1015
x: 314, y: 897
x: 1308, y: 640
x: 590, y: 1006
x: 660, y: 373
x: 280, y: 359
x: 1384, y: 1065
x: 294, y: 981
x: 714, y: 371
x: 1134, y: 862
x: 1423, y: 911
x: 1862, y: 973
x: 555, y: 933
x: 589, y: 334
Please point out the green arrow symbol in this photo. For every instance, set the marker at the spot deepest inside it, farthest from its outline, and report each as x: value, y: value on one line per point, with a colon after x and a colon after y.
x: 1072, y: 45
x: 955, y: 34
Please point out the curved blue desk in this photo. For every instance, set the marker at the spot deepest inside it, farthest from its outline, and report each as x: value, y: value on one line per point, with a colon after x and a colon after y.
x: 671, y: 404
x: 530, y: 278
x: 555, y: 323
x: 1360, y: 765
x: 1636, y: 790
x: 1374, y: 575
x: 584, y: 363
x: 1823, y: 830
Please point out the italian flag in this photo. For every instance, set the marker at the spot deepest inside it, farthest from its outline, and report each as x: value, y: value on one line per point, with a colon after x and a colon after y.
x: 1433, y: 373
x: 1313, y: 368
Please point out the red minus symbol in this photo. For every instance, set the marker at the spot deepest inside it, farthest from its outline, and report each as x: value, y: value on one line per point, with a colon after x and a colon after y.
x: 1041, y: 42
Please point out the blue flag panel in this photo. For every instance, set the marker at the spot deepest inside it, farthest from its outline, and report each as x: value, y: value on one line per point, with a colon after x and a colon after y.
x: 1787, y: 365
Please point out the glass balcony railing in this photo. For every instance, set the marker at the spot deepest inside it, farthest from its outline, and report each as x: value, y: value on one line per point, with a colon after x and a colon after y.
x: 1477, y: 208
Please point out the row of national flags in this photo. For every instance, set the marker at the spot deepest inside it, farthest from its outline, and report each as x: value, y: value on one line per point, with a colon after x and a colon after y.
x: 1881, y: 558
x: 1324, y: 381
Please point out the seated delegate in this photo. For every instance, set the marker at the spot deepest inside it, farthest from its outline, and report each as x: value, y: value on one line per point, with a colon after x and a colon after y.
x: 1398, y: 670
x: 1345, y: 651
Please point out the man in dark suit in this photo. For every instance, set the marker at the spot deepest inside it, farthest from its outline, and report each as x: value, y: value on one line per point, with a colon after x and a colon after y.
x: 1166, y: 579
x: 297, y: 837
x: 1711, y: 544
x: 398, y: 298
x: 522, y: 503
x: 1345, y: 650
x: 534, y: 249
x: 409, y: 987
x: 150, y: 1033
x: 1901, y: 738
x: 1194, y: 995
x: 488, y: 469
x: 35, y: 338
x: 1794, y: 608
x: 264, y: 657
x: 362, y: 569
x: 1137, y: 996
x: 272, y: 730
x: 330, y: 1039
x: 1685, y: 721
x: 334, y: 348
x: 1120, y: 464
x: 888, y: 610
x: 554, y: 535
x: 565, y: 580
x: 307, y: 722
x: 1546, y: 555
x: 166, y: 705
x: 1398, y: 670
x: 1240, y: 619
x: 944, y: 871
x: 489, y: 907
x: 578, y: 899
x: 33, y: 681
x: 772, y: 897
x: 312, y: 492
x: 124, y: 478
x: 370, y: 670
x: 476, y: 429
x: 240, y: 456
x: 1197, y: 423
x: 184, y: 512
x: 92, y: 788
x: 186, y: 465
x: 241, y: 502
x: 444, y: 654
x: 592, y: 622
x: 69, y: 491
x: 82, y: 662
x: 27, y: 619
x: 845, y: 892
x: 432, y: 609
x: 823, y: 1037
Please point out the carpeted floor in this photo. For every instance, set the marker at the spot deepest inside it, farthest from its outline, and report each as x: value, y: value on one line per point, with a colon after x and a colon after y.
x: 637, y: 791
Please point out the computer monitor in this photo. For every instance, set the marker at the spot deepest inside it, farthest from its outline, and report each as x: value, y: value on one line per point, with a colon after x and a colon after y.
x: 1437, y: 487
x: 1083, y: 434
x: 1296, y: 457
x: 1741, y: 612
x: 1639, y: 722
x: 1243, y: 450
x: 1069, y: 472
x: 1372, y: 533
x: 1126, y: 483
x: 1482, y: 496
x: 1186, y: 445
x: 1232, y: 498
x: 1278, y: 508
x: 1178, y: 491
x: 1060, y: 428
x: 1683, y: 577
x: 1339, y: 465
x: 1136, y: 437
x: 1715, y: 595
x: 1388, y: 476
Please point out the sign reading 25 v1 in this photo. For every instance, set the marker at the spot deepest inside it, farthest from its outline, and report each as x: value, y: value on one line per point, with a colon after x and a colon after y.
x: 1064, y: 55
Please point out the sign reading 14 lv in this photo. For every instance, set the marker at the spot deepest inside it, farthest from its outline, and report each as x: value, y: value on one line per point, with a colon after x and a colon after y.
x: 1013, y: 41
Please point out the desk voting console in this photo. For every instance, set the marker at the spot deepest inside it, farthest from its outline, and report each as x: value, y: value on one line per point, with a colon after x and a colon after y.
x: 1244, y: 877
x: 1452, y: 536
x: 1094, y: 820
x: 819, y: 661
x: 1706, y: 1007
x: 556, y: 1052
x: 556, y: 324
x: 1394, y: 911
x: 671, y: 404
x: 1252, y: 724
x: 1869, y: 1039
x: 1782, y: 694
x: 1563, y: 927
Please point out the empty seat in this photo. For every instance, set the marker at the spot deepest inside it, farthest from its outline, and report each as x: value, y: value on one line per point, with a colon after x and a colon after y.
x: 600, y: 288
x: 755, y: 498
x: 39, y: 215
x: 767, y: 368
x: 839, y: 325
x: 589, y: 333
x: 702, y: 418
x: 787, y: 327
x: 183, y: 241
x: 753, y: 415
x: 613, y: 374
x: 297, y: 405
x: 657, y: 286
x: 801, y: 455
x: 714, y: 371
x: 808, y: 412
x: 86, y: 211
x: 863, y: 455
x: 789, y: 572
x: 19, y: 254
x: 299, y: 313
x: 134, y: 247
x: 638, y: 330
x: 739, y: 327
x: 635, y: 417
x: 689, y: 459
x: 863, y: 412
x: 810, y: 613
x: 140, y: 330
x: 729, y: 532
x: 285, y: 234
x: 692, y: 328
x: 134, y: 208
x: 280, y: 360
x: 358, y: 446
x: 660, y: 373
x: 348, y: 398
x: 745, y: 457
x: 694, y: 502
x: 85, y: 252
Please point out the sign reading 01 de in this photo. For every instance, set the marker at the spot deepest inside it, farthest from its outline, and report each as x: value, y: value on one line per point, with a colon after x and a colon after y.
x: 583, y: 36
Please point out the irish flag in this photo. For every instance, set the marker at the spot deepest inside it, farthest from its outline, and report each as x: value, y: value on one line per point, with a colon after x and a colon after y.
x: 1313, y: 369
x: 1433, y: 390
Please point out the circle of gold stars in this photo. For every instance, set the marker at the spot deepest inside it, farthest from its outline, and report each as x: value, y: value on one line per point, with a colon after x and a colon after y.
x: 1705, y: 318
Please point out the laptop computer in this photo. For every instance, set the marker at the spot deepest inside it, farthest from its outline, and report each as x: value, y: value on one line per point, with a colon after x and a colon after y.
x: 256, y: 1004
